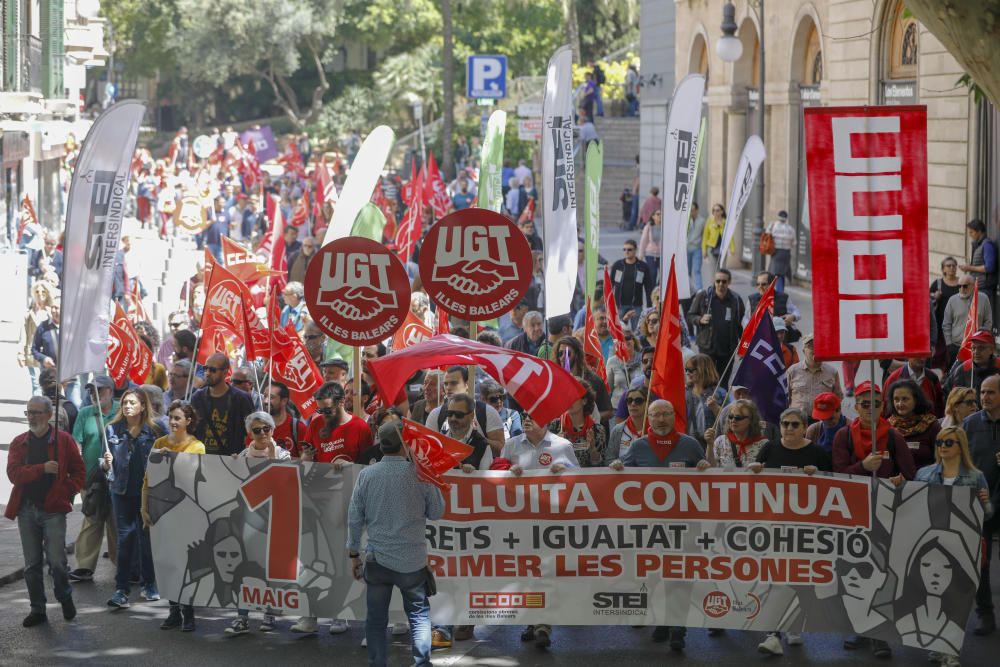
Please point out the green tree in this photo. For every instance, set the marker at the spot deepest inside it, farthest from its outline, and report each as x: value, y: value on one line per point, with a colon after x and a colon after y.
x: 448, y: 87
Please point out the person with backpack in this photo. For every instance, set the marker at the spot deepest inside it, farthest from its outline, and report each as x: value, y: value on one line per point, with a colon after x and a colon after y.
x: 716, y: 313
x: 487, y: 422
x: 599, y: 80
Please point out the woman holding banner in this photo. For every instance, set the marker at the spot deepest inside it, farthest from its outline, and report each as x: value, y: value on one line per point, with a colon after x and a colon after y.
x: 742, y: 440
x: 702, y: 382
x: 585, y: 434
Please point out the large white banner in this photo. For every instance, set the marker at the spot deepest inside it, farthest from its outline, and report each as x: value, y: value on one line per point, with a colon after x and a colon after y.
x: 746, y: 173
x: 93, y: 230
x: 559, y: 185
x: 680, y: 157
x: 779, y: 550
x: 360, y: 184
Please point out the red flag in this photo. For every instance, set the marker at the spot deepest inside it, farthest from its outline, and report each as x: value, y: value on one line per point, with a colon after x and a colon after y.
x: 622, y: 349
x: 280, y: 340
x: 433, y: 454
x: 443, y: 323
x: 326, y: 190
x: 764, y: 307
x: 541, y: 387
x: 412, y: 332
x: 244, y: 264
x: 292, y: 159
x: 273, y: 245
x: 411, y: 228
x: 435, y: 193
x: 300, y: 215
x: 667, y: 380
x: 965, y: 352
x: 227, y: 310
x: 119, y: 353
x: 136, y: 309
x: 592, y: 347
x: 296, y: 369
x: 528, y: 213
x: 140, y: 358
x: 28, y: 216
x: 410, y: 186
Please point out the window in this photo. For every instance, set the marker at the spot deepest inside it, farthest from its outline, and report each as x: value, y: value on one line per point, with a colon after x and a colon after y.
x: 904, y: 46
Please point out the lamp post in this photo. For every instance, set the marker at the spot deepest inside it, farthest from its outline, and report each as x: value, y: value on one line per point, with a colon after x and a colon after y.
x: 729, y: 49
x: 418, y: 113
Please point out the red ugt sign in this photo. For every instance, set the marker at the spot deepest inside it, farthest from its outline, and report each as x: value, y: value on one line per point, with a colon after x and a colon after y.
x: 867, y: 170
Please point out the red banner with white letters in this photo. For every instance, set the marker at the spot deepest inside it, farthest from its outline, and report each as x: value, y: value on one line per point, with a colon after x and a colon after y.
x: 867, y: 171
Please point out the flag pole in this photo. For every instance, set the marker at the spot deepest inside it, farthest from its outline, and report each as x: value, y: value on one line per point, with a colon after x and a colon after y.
x: 874, y: 440
x: 194, y: 362
x: 357, y: 381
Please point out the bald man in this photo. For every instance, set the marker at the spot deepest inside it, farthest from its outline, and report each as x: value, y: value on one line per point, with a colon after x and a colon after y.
x: 222, y: 409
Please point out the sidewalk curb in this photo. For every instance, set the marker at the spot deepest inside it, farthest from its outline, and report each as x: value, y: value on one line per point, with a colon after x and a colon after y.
x: 18, y: 574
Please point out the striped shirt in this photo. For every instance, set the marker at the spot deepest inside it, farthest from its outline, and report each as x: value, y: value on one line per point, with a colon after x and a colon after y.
x: 392, y: 505
x: 784, y: 235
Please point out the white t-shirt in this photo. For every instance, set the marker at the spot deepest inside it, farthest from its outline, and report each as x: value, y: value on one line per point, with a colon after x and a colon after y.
x: 251, y: 452
x: 493, y: 421
x: 553, y: 449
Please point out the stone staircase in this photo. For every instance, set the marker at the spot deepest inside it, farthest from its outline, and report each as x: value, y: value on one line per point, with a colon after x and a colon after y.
x: 620, y: 136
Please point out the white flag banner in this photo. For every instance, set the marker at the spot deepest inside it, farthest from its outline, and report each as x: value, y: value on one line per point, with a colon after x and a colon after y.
x: 559, y: 185
x: 361, y: 180
x: 491, y: 171
x: 93, y: 230
x: 679, y: 163
x: 746, y: 173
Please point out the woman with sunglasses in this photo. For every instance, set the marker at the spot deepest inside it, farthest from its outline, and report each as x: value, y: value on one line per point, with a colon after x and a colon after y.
x: 961, y: 403
x: 953, y: 466
x: 742, y: 439
x: 911, y: 414
x: 181, y: 418
x: 583, y: 432
x: 492, y: 394
x: 649, y: 327
x: 625, y: 433
x: 131, y: 434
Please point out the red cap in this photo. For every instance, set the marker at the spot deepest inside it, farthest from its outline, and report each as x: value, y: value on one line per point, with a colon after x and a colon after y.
x: 500, y: 463
x: 825, y: 405
x: 983, y: 336
x: 866, y: 387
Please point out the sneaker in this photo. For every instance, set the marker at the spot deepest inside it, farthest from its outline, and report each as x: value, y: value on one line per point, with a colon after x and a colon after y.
x: 542, y: 639
x: 528, y: 634
x: 150, y: 594
x: 173, y: 619
x: 267, y: 625
x: 364, y: 642
x: 880, y: 649
x: 934, y: 656
x: 440, y: 639
x: 338, y: 627
x: 661, y: 633
x: 305, y: 624
x: 239, y: 626
x: 771, y: 646
x: 987, y: 625
x: 950, y: 661
x: 188, y: 614
x: 80, y: 575
x: 398, y: 629
x: 677, y: 639
x: 119, y: 600
x: 33, y: 619
x: 69, y: 609
x: 857, y: 641
x: 793, y: 639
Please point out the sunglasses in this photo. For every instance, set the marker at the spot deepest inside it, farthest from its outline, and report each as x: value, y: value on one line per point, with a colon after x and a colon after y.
x: 652, y: 321
x: 947, y: 442
x: 791, y: 424
x: 457, y: 414
x: 313, y: 336
x: 689, y: 370
x: 175, y: 325
x: 737, y: 418
x: 970, y: 401
x: 635, y: 401
x: 964, y: 286
x: 257, y: 430
x: 721, y: 282
x: 325, y: 411
x: 495, y: 399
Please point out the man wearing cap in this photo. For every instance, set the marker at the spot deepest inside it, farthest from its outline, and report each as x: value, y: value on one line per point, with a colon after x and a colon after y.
x: 956, y: 315
x: 829, y: 420
x: 916, y: 369
x: 391, y: 506
x: 334, y: 370
x: 87, y: 431
x: 784, y: 239
x: 809, y: 378
x: 788, y: 352
x: 983, y: 364
x: 983, y: 429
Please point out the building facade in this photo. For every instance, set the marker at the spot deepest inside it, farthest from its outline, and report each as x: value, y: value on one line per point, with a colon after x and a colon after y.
x: 657, y: 48
x: 835, y: 53
x: 46, y: 48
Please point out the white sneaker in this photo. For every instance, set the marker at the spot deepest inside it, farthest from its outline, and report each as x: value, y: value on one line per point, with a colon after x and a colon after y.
x: 950, y: 661
x: 793, y: 639
x: 338, y: 627
x: 305, y: 624
x: 398, y: 629
x: 771, y: 646
x: 364, y: 642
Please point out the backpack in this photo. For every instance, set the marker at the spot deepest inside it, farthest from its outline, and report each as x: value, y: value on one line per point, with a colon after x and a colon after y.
x: 599, y: 75
x: 480, y: 416
x: 766, y: 243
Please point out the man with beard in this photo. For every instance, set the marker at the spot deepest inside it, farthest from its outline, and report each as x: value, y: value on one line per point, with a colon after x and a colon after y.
x: 222, y: 409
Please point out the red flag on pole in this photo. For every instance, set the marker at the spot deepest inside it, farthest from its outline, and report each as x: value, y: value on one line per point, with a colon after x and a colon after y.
x: 119, y: 353
x: 300, y: 215
x: 592, y: 347
x: 965, y: 352
x: 227, y: 309
x: 273, y: 245
x: 412, y: 332
x: 435, y: 193
x: 528, y: 213
x: 138, y: 357
x: 622, y: 349
x: 294, y: 368
x: 28, y: 216
x: 244, y: 264
x: 412, y: 226
x: 443, y: 323
x: 765, y: 307
x: 433, y: 454
x: 667, y: 380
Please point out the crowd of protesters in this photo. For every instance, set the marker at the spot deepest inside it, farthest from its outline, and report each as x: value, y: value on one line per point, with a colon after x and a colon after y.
x: 940, y: 417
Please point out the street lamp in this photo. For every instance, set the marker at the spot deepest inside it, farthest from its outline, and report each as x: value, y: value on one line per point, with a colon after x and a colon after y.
x: 418, y: 114
x: 730, y: 49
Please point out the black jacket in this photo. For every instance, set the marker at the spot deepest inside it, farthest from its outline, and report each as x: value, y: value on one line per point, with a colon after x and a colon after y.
x: 240, y: 405
x: 46, y: 341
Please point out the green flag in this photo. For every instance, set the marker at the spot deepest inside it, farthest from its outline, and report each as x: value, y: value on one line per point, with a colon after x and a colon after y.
x: 491, y: 169
x: 592, y: 212
x: 369, y: 223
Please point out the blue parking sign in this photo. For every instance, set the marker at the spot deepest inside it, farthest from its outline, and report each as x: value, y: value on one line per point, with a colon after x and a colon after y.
x: 486, y: 77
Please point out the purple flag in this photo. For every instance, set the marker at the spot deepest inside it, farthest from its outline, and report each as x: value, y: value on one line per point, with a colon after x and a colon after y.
x: 263, y: 143
x: 763, y: 372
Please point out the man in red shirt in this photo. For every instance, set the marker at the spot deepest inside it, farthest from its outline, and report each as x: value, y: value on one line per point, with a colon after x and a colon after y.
x: 334, y: 434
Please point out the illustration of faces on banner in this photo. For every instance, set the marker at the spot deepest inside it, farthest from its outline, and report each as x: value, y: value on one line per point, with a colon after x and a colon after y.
x: 357, y: 291
x: 475, y: 264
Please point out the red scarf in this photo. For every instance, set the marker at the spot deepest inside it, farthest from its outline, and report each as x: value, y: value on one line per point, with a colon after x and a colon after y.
x: 573, y: 435
x: 742, y: 445
x: 630, y: 426
x: 861, y: 437
x: 662, y: 445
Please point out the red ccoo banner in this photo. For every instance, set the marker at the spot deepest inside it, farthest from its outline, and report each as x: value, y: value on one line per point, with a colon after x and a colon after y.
x: 867, y: 170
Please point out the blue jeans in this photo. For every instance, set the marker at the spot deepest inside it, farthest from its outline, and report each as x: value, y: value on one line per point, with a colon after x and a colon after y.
x: 133, y: 541
x: 694, y: 267
x: 413, y: 586
x: 633, y: 219
x: 42, y: 532
x: 600, y: 100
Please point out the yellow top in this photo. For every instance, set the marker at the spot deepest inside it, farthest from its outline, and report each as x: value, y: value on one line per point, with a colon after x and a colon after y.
x: 190, y: 446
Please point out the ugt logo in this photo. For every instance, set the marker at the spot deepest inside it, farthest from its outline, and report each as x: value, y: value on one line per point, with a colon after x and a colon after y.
x: 473, y: 259
x: 355, y: 285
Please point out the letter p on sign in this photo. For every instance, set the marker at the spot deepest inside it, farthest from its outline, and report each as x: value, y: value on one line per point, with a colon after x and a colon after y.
x: 486, y: 77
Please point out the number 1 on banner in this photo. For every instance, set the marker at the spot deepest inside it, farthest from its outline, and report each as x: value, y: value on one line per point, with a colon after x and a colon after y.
x: 281, y: 486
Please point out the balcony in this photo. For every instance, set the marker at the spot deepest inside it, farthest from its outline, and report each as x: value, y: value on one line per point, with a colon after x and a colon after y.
x: 31, y: 64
